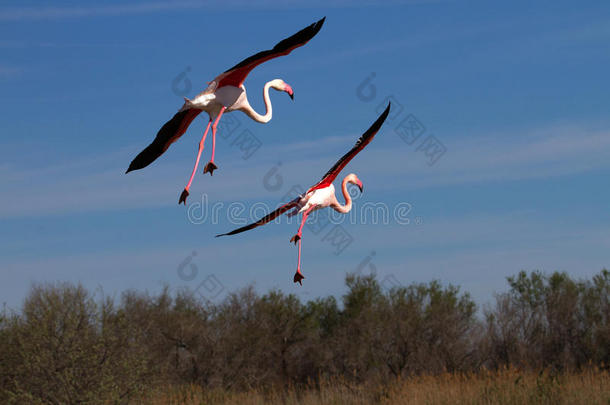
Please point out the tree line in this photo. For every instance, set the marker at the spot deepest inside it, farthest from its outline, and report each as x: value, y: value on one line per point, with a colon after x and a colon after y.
x: 65, y: 346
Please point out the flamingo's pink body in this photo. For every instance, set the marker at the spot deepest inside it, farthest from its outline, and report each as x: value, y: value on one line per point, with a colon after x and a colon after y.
x: 217, y: 101
x: 315, y: 200
x: 225, y: 93
x: 322, y: 194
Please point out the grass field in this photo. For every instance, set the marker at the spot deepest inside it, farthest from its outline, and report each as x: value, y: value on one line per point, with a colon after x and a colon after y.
x: 504, y: 387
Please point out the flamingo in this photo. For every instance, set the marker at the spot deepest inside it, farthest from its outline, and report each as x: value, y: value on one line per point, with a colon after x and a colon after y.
x: 225, y: 93
x: 322, y: 194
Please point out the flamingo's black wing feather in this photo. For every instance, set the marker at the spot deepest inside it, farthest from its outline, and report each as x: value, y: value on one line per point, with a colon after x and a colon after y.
x: 168, y: 134
x: 364, y: 140
x: 236, y: 75
x: 267, y: 218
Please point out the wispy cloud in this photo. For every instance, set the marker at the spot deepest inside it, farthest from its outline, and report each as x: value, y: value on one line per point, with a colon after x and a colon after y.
x: 547, y: 152
x: 541, y: 153
x: 98, y: 183
x: 59, y: 12
x: 476, y: 252
x: 21, y: 44
x: 9, y: 71
x: 118, y: 269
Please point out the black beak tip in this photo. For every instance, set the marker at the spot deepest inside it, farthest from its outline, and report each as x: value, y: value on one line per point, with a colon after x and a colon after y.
x: 361, y: 188
x: 292, y: 96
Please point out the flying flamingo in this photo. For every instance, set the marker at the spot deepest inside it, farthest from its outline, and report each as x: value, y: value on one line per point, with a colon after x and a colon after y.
x: 225, y: 93
x: 322, y: 194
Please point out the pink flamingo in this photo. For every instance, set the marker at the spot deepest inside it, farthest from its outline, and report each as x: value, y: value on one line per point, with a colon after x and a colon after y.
x: 322, y: 194
x: 225, y: 93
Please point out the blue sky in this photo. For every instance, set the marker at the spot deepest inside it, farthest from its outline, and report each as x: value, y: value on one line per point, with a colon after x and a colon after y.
x: 517, y: 94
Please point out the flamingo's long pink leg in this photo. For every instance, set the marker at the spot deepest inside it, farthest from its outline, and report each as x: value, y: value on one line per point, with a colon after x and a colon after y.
x: 185, y: 193
x: 210, y: 167
x: 298, y: 276
x: 299, y: 234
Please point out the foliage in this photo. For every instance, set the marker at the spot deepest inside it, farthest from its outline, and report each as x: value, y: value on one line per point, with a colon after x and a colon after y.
x: 66, y: 347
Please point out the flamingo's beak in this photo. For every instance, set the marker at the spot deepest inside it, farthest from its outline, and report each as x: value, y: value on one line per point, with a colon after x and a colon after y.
x: 360, y: 186
x: 289, y: 90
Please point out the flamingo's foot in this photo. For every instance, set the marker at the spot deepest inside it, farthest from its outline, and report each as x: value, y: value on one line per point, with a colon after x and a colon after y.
x: 295, y: 238
x: 298, y: 277
x: 210, y: 167
x: 182, y: 200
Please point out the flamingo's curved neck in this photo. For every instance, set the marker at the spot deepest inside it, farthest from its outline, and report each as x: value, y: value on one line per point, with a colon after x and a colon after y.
x: 344, y: 209
x: 269, y: 109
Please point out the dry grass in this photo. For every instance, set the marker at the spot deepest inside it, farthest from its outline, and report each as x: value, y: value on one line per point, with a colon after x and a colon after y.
x: 504, y: 387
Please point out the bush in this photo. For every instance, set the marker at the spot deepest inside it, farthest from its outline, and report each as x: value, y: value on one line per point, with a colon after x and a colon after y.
x: 550, y: 321
x: 65, y: 347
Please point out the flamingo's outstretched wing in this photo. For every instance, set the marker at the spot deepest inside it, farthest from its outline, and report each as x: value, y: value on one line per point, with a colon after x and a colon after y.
x: 238, y: 73
x: 267, y: 218
x: 364, y: 140
x: 168, y: 134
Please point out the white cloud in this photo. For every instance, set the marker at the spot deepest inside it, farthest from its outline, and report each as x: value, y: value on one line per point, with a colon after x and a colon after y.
x: 475, y: 252
x: 9, y: 71
x: 98, y: 183
x: 56, y: 12
x: 542, y: 153
x: 59, y: 12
